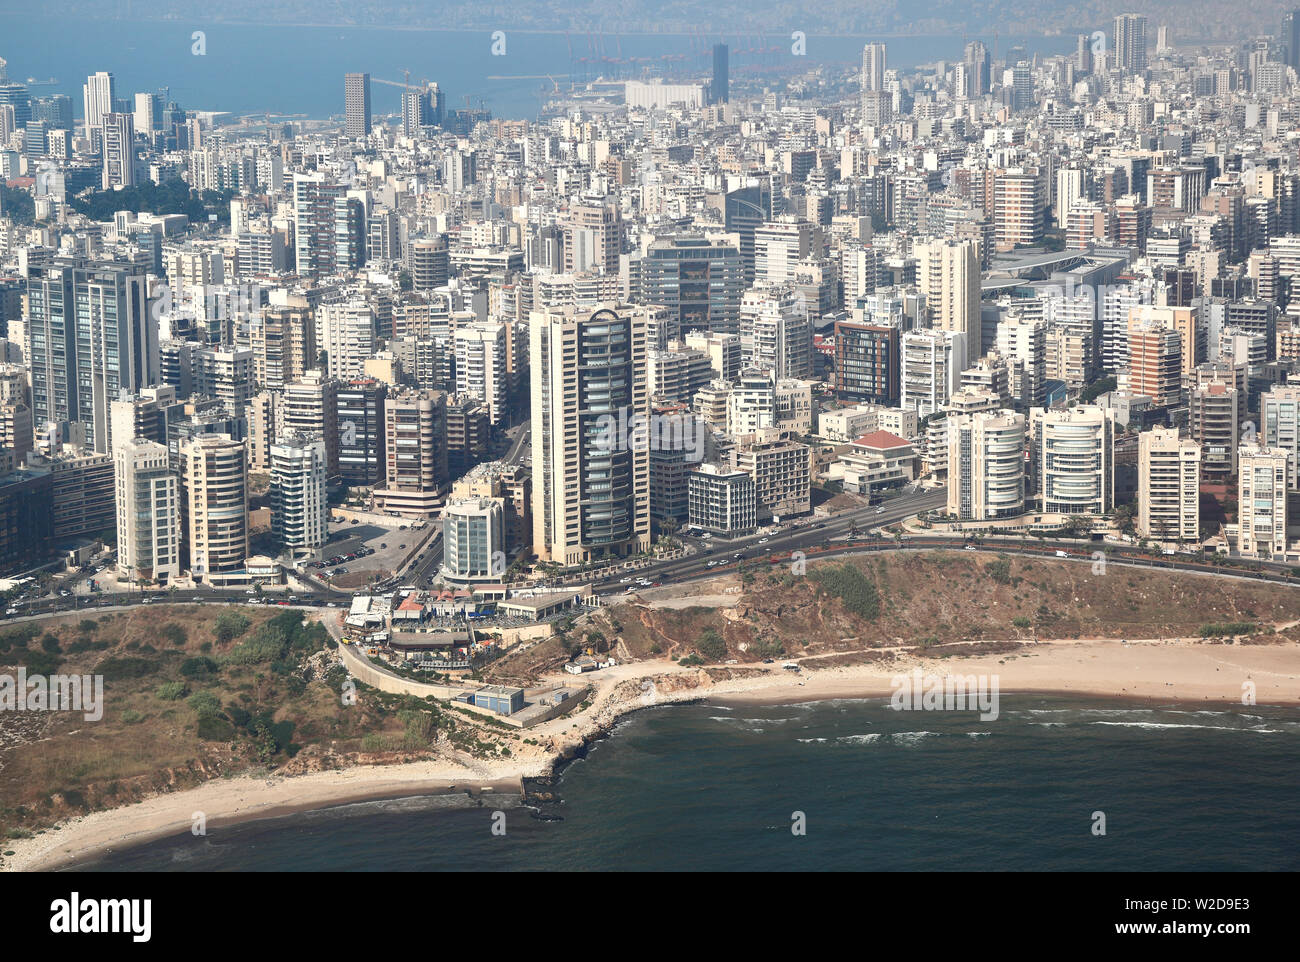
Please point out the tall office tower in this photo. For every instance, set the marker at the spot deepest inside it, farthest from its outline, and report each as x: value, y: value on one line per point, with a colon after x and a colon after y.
x: 1262, y: 500
x: 1280, y: 414
x: 1017, y: 208
x: 1074, y: 452
x: 430, y: 263
x: 877, y: 108
x: 931, y: 369
x: 591, y: 482
x: 978, y: 62
x: 118, y: 151
x: 147, y: 113
x: 1291, y: 38
x: 948, y: 274
x: 415, y: 449
x: 356, y: 97
x: 310, y: 406
x: 481, y: 351
x: 593, y: 237
x: 1022, y: 87
x: 744, y: 211
x: 473, y: 535
x: 1131, y: 43
x: 315, y: 242
x: 720, y: 91
x: 699, y: 282
x: 16, y: 96
x: 261, y: 416
x: 1169, y: 477
x: 148, y: 513
x: 99, y: 97
x: 873, y: 67
x: 92, y: 336
x: 299, y: 507
x: 1083, y: 54
x: 360, y: 404
x: 776, y: 332
x: 214, y: 507
x: 867, y: 361
x: 986, y: 465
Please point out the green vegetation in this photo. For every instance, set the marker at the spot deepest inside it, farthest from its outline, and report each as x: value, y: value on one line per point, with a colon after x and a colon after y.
x: 1097, y: 388
x: 231, y: 625
x: 18, y: 204
x: 999, y: 570
x: 1228, y: 629
x: 173, y: 197
x: 711, y: 645
x: 171, y: 690
x: 854, y: 589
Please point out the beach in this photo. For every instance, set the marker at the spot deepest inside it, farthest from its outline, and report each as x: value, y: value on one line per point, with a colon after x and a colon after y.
x: 1160, y: 670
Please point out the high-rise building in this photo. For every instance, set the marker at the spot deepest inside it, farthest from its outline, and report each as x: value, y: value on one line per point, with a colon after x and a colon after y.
x: 1169, y: 478
x: 415, y: 449
x: 720, y: 91
x: 1291, y: 38
x: 360, y: 403
x: 430, y: 263
x: 591, y: 494
x: 99, y: 98
x: 92, y: 335
x: 932, y: 363
x: 481, y: 361
x: 310, y: 406
x: 148, y: 512
x: 867, y: 361
x: 948, y: 274
x: 315, y: 243
x: 1280, y: 417
x: 356, y: 102
x: 873, y: 67
x: 1074, y: 450
x: 721, y: 500
x: 1131, y: 43
x: 1262, y: 474
x: 473, y: 540
x: 986, y: 465
x: 299, y: 507
x: 745, y: 209
x: 214, y: 507
x: 776, y: 332
x: 346, y: 333
x: 118, y: 151
x: 700, y: 282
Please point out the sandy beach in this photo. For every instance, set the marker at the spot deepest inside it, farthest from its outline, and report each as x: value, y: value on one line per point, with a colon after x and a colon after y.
x: 1164, y: 670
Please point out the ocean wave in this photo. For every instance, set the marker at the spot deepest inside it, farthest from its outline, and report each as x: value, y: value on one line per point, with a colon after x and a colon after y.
x: 977, y: 734
x: 1049, y: 724
x: 867, y: 739
x: 1216, y: 728
x: 808, y: 740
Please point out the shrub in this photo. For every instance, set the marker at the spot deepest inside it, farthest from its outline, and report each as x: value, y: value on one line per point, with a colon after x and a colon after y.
x: 174, y: 633
x: 230, y: 626
x: 213, y: 728
x: 42, y: 663
x: 711, y: 645
x: 854, y: 589
x: 204, y: 702
x: 170, y: 691
x: 198, y: 667
x: 999, y: 570
x: 1021, y: 622
x: 1228, y: 629
x: 87, y: 627
x: 118, y: 669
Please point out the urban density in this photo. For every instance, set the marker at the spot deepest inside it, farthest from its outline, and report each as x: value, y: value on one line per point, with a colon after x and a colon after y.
x: 468, y: 379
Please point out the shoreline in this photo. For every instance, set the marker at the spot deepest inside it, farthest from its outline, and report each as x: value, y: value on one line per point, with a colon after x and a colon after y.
x: 1163, y: 671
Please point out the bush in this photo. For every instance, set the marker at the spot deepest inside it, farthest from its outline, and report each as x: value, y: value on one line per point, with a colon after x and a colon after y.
x: 50, y: 644
x: 119, y: 669
x: 854, y: 589
x: 87, y: 627
x: 198, y: 667
x: 711, y: 645
x: 1021, y: 622
x: 170, y: 691
x: 230, y: 626
x: 1228, y: 629
x: 204, y: 702
x: 999, y: 570
x: 42, y: 663
x: 213, y: 728
x: 174, y: 633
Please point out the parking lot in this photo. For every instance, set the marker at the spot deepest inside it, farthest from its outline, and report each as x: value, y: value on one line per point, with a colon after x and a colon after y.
x: 365, y: 549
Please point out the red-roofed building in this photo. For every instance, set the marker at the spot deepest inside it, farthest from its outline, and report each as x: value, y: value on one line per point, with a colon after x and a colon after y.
x: 876, y: 461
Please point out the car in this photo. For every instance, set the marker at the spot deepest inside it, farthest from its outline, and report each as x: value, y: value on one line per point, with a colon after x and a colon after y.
x: 341, y: 571
x: 767, y: 661
x: 764, y: 540
x: 196, y: 598
x: 293, y: 597
x: 401, y: 546
x: 356, y: 520
x: 880, y: 510
x: 712, y: 563
x: 1062, y: 554
x: 146, y: 601
x: 64, y: 593
x: 401, y: 527
x: 969, y: 547
x: 624, y: 581
x: 249, y: 591
x: 383, y: 546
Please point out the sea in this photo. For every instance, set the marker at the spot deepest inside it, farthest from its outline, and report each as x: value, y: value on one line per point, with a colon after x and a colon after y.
x: 291, y: 70
x: 1053, y: 783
